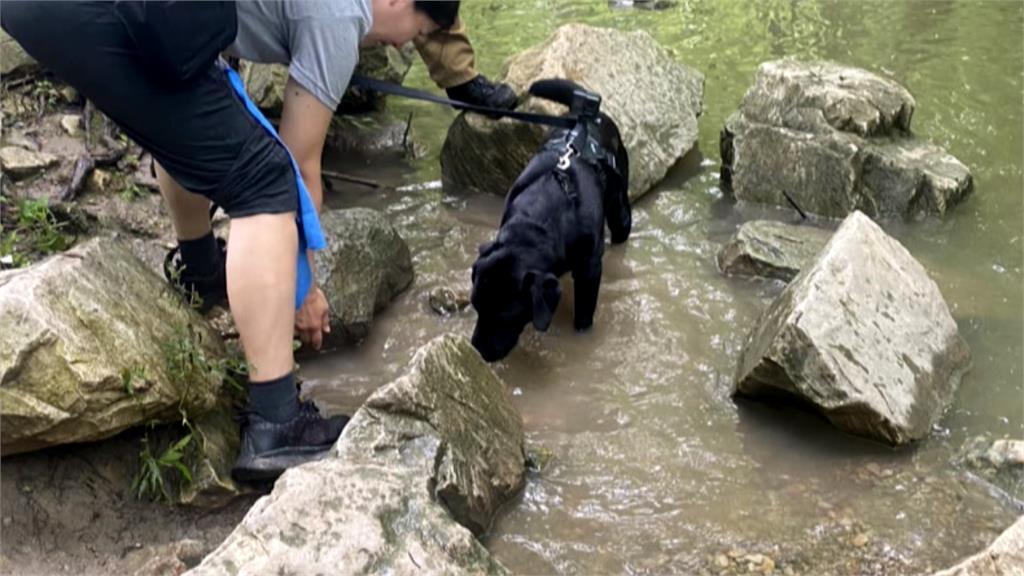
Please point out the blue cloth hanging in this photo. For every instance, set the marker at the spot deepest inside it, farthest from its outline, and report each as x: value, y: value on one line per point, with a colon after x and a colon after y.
x: 311, y: 236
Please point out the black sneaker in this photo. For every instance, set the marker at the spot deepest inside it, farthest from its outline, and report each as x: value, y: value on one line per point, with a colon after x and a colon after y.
x: 482, y: 92
x: 204, y: 292
x: 269, y: 448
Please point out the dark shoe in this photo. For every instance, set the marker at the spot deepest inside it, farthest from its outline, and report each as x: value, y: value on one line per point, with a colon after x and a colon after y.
x: 482, y: 92
x: 203, y: 292
x: 269, y: 448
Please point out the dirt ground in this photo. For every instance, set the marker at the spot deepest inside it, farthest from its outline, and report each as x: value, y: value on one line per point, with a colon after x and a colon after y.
x: 70, y: 510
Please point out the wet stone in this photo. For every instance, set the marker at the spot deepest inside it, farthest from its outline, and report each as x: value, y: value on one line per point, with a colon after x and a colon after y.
x: 72, y: 124
x: 19, y: 163
x: 447, y: 301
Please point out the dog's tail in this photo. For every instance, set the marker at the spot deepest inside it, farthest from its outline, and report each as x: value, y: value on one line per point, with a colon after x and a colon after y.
x: 556, y: 89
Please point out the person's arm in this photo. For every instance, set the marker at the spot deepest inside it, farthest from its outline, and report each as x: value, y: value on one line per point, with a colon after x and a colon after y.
x: 304, y: 124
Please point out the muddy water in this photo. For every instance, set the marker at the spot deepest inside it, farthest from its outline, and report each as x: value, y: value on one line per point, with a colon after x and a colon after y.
x: 653, y: 467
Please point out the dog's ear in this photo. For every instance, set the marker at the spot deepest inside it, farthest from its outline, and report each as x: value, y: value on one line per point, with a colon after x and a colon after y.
x: 545, y: 293
x: 617, y: 210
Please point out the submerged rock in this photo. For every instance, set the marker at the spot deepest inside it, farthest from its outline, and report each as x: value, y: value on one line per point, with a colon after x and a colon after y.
x: 365, y: 266
x: 655, y: 113
x: 1000, y: 462
x: 94, y: 343
x: 836, y: 139
x: 771, y: 249
x: 436, y: 452
x: 367, y: 134
x: 19, y: 163
x: 446, y: 301
x: 1004, y: 557
x: 863, y: 335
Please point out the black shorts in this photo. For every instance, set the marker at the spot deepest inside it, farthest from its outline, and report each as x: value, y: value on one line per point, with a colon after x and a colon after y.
x: 199, y: 131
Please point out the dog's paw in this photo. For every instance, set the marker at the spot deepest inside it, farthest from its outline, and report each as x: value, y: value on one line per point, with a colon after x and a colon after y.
x: 583, y: 325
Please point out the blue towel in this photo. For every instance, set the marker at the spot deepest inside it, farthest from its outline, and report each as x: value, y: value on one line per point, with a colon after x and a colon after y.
x: 311, y: 237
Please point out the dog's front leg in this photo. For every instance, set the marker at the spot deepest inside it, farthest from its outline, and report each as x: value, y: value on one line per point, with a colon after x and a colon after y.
x: 587, y: 283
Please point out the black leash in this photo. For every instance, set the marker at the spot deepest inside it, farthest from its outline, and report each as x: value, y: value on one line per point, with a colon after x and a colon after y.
x: 361, y: 81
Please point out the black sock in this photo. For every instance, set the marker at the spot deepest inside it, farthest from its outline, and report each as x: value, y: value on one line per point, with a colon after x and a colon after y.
x: 201, y: 256
x: 275, y: 400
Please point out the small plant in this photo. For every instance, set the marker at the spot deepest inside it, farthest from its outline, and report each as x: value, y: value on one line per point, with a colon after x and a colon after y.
x: 32, y: 227
x: 46, y: 93
x: 131, y: 191
x: 133, y: 378
x: 35, y: 217
x: 149, y: 481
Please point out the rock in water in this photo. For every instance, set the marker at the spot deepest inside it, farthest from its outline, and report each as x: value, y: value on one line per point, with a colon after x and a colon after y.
x: 365, y: 265
x: 863, y: 335
x: 998, y: 461
x: 836, y: 139
x: 422, y: 466
x: 771, y: 249
x: 1004, y: 557
x: 656, y: 113
x: 94, y: 343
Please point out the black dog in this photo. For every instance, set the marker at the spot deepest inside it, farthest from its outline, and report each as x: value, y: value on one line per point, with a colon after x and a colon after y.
x: 553, y: 223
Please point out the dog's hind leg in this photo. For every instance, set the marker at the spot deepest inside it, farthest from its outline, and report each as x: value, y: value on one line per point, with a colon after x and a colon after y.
x: 587, y: 284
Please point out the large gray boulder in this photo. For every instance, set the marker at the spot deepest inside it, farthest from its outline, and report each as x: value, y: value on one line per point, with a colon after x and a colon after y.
x: 771, y: 249
x: 425, y: 463
x: 863, y: 335
x: 836, y: 139
x: 655, y: 112
x: 451, y: 420
x: 365, y: 266
x: 93, y: 343
x: 1004, y: 557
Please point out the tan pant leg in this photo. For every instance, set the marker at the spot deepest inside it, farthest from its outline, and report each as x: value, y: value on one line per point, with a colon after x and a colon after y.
x: 448, y: 55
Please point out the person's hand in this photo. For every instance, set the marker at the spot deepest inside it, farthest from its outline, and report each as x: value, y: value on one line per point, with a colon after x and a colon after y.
x: 312, y: 320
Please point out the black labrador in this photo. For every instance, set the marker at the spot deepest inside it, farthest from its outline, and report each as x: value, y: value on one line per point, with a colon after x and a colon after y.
x: 553, y: 223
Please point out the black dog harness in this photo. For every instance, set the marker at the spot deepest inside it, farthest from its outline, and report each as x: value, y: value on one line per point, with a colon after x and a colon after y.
x: 580, y: 143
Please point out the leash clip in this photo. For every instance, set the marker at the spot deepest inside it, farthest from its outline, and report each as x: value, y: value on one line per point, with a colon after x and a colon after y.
x: 564, y: 159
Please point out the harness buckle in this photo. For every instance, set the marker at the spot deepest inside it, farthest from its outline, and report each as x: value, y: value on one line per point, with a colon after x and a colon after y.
x: 564, y: 159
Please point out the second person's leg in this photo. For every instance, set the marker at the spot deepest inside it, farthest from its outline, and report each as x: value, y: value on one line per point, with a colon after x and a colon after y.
x: 452, y: 64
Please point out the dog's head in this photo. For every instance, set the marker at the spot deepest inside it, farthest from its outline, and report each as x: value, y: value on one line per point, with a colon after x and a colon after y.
x: 508, y: 295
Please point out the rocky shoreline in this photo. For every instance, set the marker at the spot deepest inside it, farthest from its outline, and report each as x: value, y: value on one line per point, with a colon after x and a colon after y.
x: 104, y: 367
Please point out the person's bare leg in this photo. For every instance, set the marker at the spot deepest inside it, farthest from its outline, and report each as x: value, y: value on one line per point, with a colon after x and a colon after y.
x: 261, y: 290
x: 261, y: 275
x: 190, y: 213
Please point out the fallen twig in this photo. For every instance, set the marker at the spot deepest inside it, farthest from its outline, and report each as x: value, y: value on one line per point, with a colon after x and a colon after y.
x: 345, y: 177
x: 793, y: 203
x: 83, y: 167
x: 115, y: 151
x: 405, y: 135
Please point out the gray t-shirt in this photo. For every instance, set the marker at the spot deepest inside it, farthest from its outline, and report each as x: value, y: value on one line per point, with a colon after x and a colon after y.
x: 317, y: 39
